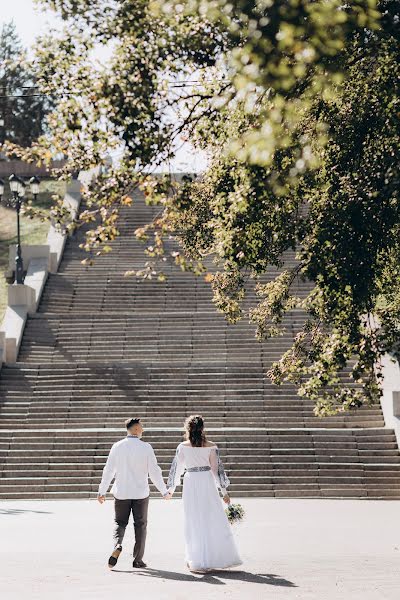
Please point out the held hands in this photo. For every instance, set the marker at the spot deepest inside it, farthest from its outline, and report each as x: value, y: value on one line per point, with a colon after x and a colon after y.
x: 226, y: 499
x: 168, y: 496
x: 101, y: 499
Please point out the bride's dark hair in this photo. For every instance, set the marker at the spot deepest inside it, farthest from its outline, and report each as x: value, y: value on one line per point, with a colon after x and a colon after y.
x: 194, y: 428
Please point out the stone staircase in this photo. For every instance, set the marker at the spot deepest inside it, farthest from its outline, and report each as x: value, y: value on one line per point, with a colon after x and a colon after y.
x: 104, y: 347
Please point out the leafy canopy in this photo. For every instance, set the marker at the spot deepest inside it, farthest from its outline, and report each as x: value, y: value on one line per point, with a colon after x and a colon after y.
x: 296, y: 104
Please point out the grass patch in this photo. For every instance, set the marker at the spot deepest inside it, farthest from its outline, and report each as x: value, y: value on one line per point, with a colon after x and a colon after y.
x: 33, y: 231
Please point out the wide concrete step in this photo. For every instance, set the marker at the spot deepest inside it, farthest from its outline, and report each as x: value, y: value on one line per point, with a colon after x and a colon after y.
x: 243, y: 450
x: 92, y: 473
x: 274, y: 448
x: 334, y: 494
x: 86, y: 403
x: 248, y: 467
x: 79, y: 481
x: 90, y: 401
x: 50, y: 490
x: 104, y: 288
x: 293, y: 459
x: 230, y: 418
x: 167, y: 338
x: 165, y: 423
x: 36, y: 411
x: 187, y: 372
x: 220, y: 435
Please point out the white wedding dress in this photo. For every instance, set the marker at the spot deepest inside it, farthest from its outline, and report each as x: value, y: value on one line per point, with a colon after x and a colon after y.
x: 209, y: 542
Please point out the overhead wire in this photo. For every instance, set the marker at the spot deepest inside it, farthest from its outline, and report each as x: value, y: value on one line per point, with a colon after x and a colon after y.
x: 183, y: 84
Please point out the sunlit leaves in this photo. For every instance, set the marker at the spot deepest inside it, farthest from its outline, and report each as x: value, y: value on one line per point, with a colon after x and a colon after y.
x: 296, y: 104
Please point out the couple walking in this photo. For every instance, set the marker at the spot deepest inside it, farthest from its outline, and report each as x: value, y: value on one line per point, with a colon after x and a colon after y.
x: 209, y: 542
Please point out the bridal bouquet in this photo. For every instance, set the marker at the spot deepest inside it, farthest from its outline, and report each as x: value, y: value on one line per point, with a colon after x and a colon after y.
x: 235, y: 513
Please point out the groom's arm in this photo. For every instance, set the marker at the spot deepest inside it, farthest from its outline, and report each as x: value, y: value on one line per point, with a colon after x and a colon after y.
x: 155, y: 473
x: 109, y: 471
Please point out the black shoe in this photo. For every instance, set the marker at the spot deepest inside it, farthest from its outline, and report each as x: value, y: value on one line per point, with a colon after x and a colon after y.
x: 139, y: 564
x: 112, y: 561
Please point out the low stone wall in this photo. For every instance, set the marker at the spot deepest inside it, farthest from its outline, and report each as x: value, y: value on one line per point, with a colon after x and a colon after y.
x: 55, y: 239
x: 24, y: 169
x: 390, y: 400
x: 40, y: 260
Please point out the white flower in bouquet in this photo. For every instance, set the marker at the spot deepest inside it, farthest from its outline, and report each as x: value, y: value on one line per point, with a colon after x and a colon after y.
x: 235, y: 513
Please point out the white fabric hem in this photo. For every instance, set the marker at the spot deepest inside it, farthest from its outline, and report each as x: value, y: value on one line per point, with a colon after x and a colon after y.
x: 193, y: 567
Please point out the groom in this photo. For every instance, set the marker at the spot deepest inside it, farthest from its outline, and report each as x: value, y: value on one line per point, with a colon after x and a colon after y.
x: 131, y: 462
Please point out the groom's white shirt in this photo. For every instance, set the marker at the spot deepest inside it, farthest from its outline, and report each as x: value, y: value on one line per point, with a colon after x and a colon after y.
x: 131, y: 462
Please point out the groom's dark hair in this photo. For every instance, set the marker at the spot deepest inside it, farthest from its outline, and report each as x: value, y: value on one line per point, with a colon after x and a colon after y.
x: 131, y: 422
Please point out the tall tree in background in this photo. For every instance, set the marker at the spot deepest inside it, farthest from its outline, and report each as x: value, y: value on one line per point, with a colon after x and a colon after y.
x: 22, y: 113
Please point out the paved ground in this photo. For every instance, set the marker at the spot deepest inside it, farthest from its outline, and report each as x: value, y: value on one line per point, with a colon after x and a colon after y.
x: 307, y: 549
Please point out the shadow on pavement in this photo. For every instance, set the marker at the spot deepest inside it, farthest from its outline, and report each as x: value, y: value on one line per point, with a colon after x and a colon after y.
x: 215, y: 577
x: 20, y: 511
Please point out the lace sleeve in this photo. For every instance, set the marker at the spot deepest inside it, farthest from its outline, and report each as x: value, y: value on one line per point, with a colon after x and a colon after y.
x: 218, y: 470
x: 176, y: 470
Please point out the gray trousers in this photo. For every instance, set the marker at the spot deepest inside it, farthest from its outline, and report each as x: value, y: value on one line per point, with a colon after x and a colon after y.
x: 139, y: 510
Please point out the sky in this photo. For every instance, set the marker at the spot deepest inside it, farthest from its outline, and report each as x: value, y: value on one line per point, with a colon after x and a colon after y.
x: 31, y: 22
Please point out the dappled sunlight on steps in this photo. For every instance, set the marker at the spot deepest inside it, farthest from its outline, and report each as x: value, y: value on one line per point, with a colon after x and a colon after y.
x: 104, y: 347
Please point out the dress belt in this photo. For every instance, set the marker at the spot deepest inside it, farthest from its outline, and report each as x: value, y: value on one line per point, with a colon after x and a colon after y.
x: 196, y: 469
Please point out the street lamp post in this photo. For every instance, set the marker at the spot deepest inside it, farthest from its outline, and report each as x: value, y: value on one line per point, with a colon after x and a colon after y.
x: 17, y: 187
x: 34, y: 184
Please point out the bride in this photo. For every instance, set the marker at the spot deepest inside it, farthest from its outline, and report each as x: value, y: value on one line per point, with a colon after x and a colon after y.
x: 208, y: 537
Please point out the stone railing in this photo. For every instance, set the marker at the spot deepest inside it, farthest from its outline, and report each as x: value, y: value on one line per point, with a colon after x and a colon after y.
x: 40, y: 260
x: 390, y: 400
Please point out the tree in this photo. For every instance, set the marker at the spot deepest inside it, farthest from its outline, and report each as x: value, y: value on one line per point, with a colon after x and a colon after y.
x: 297, y: 107
x: 22, y: 111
